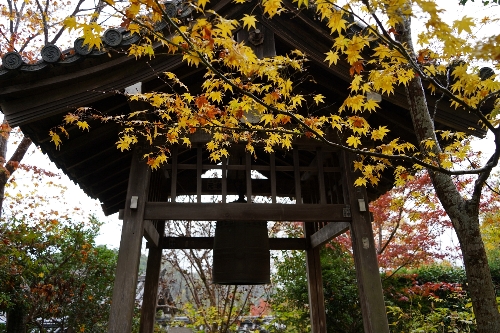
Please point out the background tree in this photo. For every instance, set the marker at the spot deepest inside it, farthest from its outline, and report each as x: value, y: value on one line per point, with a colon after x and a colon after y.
x: 52, y: 274
x: 409, y: 223
x: 289, y: 300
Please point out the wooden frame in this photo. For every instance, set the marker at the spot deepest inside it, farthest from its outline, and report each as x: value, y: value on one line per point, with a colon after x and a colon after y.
x: 314, y: 181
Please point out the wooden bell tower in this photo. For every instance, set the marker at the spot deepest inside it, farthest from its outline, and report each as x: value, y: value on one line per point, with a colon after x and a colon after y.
x: 319, y: 181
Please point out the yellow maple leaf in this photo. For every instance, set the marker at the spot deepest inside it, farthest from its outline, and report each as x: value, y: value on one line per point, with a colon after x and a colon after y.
x: 353, y: 141
x: 70, y: 118
x: 155, y: 163
x: 249, y: 21
x: 54, y: 137
x: 215, y: 96
x: 83, y: 125
x: 191, y: 59
x: 361, y: 181
x: 379, y: 134
x: 70, y: 23
x: 318, y: 99
x: 134, y: 28
x: 356, y: 82
x: 297, y: 100
x: 267, y: 119
x: 336, y: 22
x: 332, y: 57
x: 272, y: 7
x: 429, y: 143
x: 202, y: 3
x: 355, y: 102
x: 125, y: 142
x: 370, y: 105
x: 301, y: 3
x: 465, y: 24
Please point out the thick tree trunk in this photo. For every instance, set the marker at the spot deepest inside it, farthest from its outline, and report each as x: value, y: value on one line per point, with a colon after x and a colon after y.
x: 480, y: 285
x: 463, y: 213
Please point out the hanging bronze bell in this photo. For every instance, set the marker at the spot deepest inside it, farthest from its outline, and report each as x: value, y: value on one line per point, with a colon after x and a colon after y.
x: 241, y: 253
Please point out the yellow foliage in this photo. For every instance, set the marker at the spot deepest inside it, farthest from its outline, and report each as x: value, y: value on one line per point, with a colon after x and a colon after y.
x: 249, y: 21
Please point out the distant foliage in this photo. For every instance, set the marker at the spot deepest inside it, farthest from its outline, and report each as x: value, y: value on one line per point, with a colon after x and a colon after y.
x: 290, y: 300
x: 52, y: 275
x: 432, y: 298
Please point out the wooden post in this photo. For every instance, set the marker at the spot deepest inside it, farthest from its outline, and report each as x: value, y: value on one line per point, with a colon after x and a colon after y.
x: 150, y: 298
x: 124, y: 291
x: 314, y: 284
x: 365, y: 256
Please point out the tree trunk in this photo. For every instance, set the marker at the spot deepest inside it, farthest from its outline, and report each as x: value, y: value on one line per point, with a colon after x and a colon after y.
x: 480, y: 285
x: 8, y: 168
x: 463, y: 213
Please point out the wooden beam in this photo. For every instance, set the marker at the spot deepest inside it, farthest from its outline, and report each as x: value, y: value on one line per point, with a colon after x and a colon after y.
x: 365, y: 256
x: 151, y: 234
x: 296, y: 175
x: 150, y: 298
x: 207, y: 243
x: 245, y: 212
x: 315, y: 285
x: 123, y: 300
x: 325, y: 234
x: 173, y: 176
x: 272, y: 160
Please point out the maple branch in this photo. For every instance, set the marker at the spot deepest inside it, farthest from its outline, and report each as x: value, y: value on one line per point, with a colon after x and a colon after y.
x: 230, y: 307
x: 274, y: 110
x: 393, y: 233
x: 18, y: 155
x: 410, y: 58
x: 482, y: 177
x: 491, y: 188
x: 44, y: 20
x: 19, y: 14
x: 411, y: 159
x: 27, y: 41
x: 63, y: 28
x: 98, y: 9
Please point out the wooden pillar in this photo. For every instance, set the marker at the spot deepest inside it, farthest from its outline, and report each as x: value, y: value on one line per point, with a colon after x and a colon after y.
x: 150, y: 298
x: 314, y: 284
x: 365, y: 256
x: 124, y: 290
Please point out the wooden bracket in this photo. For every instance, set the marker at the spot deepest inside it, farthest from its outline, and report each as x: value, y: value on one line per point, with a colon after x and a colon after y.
x: 325, y: 234
x: 151, y: 234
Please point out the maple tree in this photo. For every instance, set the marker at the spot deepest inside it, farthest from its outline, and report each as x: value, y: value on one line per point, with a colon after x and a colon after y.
x: 53, y: 274
x: 408, y: 224
x: 240, y: 86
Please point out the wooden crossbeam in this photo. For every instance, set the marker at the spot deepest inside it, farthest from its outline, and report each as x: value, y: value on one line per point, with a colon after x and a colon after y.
x: 331, y: 230
x: 245, y: 212
x: 208, y: 243
x: 151, y: 234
